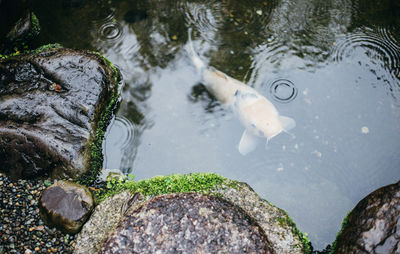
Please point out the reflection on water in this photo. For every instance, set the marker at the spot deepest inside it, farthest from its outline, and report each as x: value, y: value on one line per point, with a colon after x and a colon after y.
x: 333, y: 65
x: 120, y: 145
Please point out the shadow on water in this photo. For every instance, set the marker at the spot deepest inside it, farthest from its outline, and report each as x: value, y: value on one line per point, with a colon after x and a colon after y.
x: 332, y: 65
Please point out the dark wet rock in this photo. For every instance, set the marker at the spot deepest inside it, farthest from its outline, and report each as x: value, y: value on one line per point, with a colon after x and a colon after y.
x: 66, y: 205
x: 10, y: 12
x: 373, y: 226
x: 54, y: 108
x: 26, y: 29
x: 187, y: 222
x: 281, y: 232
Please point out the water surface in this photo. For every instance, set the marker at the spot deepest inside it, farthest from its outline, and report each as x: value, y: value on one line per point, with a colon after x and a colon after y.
x: 332, y: 65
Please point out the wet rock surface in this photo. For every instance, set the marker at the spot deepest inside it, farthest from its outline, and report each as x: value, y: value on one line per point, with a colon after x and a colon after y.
x: 373, y: 226
x: 66, y: 205
x: 51, y: 104
x: 187, y: 222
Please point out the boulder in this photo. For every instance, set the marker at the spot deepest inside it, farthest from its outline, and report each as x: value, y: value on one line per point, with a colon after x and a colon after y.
x: 373, y: 226
x: 189, y: 220
x: 104, y: 218
x: 66, y: 205
x: 55, y: 105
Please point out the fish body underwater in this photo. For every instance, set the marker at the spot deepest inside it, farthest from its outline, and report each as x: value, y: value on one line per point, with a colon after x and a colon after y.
x: 257, y: 114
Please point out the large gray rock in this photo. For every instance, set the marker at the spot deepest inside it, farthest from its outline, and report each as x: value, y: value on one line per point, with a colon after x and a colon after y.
x: 373, y: 226
x: 281, y: 233
x: 54, y: 108
x: 66, y: 205
x: 104, y: 218
x: 186, y: 222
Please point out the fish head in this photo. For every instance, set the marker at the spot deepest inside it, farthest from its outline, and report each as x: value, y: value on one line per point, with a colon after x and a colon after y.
x: 267, y: 127
x: 259, y: 116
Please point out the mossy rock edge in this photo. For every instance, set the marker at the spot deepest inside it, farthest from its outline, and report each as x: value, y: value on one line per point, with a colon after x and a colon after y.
x: 123, y: 196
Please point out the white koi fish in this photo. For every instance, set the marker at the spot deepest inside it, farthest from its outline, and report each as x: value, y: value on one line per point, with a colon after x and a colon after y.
x: 257, y: 114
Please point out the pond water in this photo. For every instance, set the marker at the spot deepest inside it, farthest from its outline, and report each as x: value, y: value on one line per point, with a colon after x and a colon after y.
x: 332, y: 65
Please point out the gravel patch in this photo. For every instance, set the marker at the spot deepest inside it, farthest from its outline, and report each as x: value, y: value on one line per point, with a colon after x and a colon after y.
x: 21, y: 228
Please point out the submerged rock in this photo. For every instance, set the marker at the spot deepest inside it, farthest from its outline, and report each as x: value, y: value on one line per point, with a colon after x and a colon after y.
x: 190, y: 221
x: 66, y: 205
x: 26, y: 29
x: 373, y: 226
x: 54, y: 108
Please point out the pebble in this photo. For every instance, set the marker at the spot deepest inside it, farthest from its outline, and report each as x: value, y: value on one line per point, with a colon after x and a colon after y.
x: 21, y: 228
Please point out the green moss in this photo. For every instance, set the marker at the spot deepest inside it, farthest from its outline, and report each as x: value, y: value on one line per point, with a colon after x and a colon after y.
x: 117, y: 77
x: 344, y: 225
x: 95, y: 145
x: 35, y: 25
x: 287, y: 221
x: 3, y: 57
x: 176, y: 183
x: 35, y: 51
x: 45, y: 47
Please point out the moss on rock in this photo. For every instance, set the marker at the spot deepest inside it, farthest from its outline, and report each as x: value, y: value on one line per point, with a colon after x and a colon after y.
x: 90, y: 117
x: 176, y: 183
x: 280, y: 228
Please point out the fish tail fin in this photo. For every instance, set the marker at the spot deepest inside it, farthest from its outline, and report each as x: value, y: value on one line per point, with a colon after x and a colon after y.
x: 198, y: 63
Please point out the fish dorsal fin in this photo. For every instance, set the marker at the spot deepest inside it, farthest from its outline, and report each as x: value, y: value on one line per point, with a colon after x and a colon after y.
x: 248, y: 142
x: 287, y: 123
x: 221, y: 74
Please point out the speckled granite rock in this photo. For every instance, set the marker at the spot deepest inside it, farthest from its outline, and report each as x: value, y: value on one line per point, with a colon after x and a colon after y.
x: 186, y: 222
x: 53, y: 112
x: 104, y: 218
x: 373, y: 226
x: 66, y: 205
x: 277, y: 225
x: 283, y: 237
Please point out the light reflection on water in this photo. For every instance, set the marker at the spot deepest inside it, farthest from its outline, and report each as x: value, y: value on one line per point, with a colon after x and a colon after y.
x: 339, y: 55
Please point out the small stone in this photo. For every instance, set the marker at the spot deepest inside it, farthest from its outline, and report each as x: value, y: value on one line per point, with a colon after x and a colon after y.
x: 259, y: 12
x: 66, y: 205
